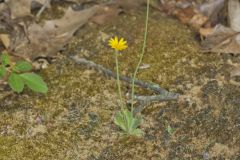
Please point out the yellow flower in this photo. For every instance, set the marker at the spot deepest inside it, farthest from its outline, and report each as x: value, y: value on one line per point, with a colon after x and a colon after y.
x: 117, y: 44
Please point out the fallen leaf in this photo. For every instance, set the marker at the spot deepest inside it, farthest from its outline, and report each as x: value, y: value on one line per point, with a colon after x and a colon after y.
x: 48, y: 39
x: 19, y: 8
x: 222, y: 40
x: 198, y: 20
x: 204, y: 32
x: 211, y: 9
x: 184, y: 15
x: 5, y: 40
x: 226, y: 39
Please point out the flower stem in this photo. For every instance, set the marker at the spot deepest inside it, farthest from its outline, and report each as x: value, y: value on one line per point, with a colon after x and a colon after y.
x: 141, y: 56
x: 118, y: 81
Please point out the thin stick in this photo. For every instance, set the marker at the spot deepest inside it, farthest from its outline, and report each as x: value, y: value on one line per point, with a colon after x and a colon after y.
x: 146, y: 100
x: 150, y: 86
x: 156, y: 98
x: 45, y: 5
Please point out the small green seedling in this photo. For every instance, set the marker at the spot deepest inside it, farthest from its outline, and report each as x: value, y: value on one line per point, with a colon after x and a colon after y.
x: 170, y: 130
x: 18, y: 75
x: 128, y: 123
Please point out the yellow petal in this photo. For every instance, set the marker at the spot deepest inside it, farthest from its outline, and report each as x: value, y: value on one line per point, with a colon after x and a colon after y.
x: 117, y: 44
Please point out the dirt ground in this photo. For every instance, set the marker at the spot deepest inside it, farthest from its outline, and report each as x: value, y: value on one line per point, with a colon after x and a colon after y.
x: 74, y: 120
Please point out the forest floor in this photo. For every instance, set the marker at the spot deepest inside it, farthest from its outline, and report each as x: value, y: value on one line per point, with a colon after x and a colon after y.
x: 74, y: 120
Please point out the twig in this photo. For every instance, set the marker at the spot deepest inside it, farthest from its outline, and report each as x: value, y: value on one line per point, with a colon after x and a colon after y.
x: 156, y: 98
x: 45, y: 5
x: 146, y: 100
x: 150, y: 86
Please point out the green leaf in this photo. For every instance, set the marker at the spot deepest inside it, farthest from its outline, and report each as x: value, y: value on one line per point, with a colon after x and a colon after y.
x: 34, y: 82
x: 129, y: 118
x: 16, y: 82
x: 170, y: 130
x: 2, y: 71
x: 137, y: 132
x: 22, y: 66
x: 137, y: 121
x: 119, y: 121
x: 5, y: 59
x: 128, y: 123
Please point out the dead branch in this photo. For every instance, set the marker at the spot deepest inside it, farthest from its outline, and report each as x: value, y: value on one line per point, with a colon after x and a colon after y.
x: 156, y: 98
x: 147, y: 100
x: 150, y: 86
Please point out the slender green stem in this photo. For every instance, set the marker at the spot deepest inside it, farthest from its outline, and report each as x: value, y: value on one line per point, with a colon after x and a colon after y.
x: 141, y: 56
x: 118, y: 81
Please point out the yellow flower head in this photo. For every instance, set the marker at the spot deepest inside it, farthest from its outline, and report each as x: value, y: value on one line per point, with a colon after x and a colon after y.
x: 117, y: 44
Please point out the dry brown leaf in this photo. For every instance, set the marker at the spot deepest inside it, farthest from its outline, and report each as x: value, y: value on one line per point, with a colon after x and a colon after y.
x: 204, y: 32
x: 224, y: 39
x: 211, y: 9
x: 19, y: 8
x: 184, y: 15
x: 186, y: 12
x: 47, y: 40
x: 22, y: 8
x: 5, y: 39
x: 31, y: 40
x: 198, y: 20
